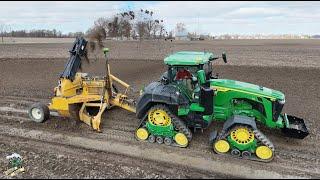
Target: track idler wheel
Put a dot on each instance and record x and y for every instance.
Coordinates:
(142, 134)
(264, 152)
(181, 139)
(221, 146)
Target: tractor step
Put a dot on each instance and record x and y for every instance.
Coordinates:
(297, 128)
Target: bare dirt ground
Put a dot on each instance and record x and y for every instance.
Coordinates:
(300, 53)
(61, 148)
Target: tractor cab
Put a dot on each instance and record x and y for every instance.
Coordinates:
(191, 71)
(193, 64)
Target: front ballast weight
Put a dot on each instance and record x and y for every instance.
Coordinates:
(163, 127)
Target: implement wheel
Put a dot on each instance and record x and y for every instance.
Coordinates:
(39, 112)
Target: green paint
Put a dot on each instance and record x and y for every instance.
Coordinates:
(196, 107)
(188, 58)
(243, 147)
(165, 131)
(231, 98)
(201, 76)
(247, 88)
(208, 118)
(183, 111)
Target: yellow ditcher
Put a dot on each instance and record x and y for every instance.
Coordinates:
(81, 97)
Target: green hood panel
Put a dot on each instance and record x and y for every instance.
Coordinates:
(188, 58)
(226, 84)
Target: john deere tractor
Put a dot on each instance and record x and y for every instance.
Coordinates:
(188, 97)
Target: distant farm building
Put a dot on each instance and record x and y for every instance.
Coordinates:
(182, 36)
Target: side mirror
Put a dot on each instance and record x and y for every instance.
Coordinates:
(224, 57)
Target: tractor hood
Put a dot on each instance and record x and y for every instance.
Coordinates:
(226, 84)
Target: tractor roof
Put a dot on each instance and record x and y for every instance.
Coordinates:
(188, 58)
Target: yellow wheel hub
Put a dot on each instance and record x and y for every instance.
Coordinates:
(242, 135)
(221, 146)
(264, 152)
(159, 117)
(142, 133)
(181, 139)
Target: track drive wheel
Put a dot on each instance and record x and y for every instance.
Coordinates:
(39, 112)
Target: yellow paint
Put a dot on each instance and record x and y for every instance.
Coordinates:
(264, 152)
(159, 117)
(142, 133)
(64, 113)
(221, 146)
(242, 136)
(86, 91)
(181, 139)
(59, 103)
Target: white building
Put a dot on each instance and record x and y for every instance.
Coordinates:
(182, 36)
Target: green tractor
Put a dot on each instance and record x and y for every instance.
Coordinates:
(188, 97)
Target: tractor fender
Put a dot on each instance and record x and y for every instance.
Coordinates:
(239, 119)
(158, 93)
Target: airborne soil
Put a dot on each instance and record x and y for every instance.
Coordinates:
(29, 72)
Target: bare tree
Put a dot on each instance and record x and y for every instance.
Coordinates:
(2, 31)
(180, 28)
(130, 24)
(141, 29)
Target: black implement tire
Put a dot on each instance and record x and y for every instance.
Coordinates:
(39, 112)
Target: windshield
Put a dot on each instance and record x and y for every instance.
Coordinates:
(192, 69)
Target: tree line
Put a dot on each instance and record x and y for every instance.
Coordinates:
(140, 24)
(39, 33)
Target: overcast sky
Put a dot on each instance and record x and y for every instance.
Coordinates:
(300, 17)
